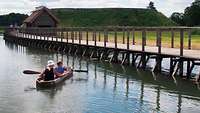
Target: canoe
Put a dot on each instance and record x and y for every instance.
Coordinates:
(53, 83)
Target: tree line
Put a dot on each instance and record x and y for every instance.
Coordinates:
(12, 19)
(190, 17)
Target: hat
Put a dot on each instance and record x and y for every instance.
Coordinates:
(50, 63)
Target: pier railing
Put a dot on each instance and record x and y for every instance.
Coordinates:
(169, 37)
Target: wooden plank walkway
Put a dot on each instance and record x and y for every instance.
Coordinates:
(175, 52)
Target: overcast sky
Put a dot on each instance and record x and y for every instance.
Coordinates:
(26, 6)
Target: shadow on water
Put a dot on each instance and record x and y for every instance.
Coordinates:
(115, 73)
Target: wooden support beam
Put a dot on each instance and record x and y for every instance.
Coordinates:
(143, 61)
(181, 67)
(143, 40)
(189, 39)
(172, 38)
(84, 52)
(72, 36)
(171, 66)
(128, 38)
(158, 66)
(181, 42)
(95, 38)
(115, 40)
(62, 35)
(92, 35)
(176, 66)
(133, 59)
(136, 57)
(75, 35)
(79, 36)
(123, 35)
(67, 36)
(99, 36)
(188, 69)
(133, 35)
(159, 35)
(87, 37)
(124, 59)
(105, 38)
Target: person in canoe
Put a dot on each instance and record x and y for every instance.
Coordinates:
(60, 70)
(49, 72)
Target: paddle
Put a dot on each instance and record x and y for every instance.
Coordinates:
(36, 72)
(30, 72)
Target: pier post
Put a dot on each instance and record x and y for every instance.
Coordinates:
(158, 66)
(133, 35)
(189, 39)
(62, 34)
(189, 47)
(123, 40)
(87, 37)
(67, 36)
(181, 52)
(143, 56)
(188, 69)
(95, 38)
(105, 38)
(115, 39)
(171, 66)
(99, 36)
(115, 53)
(123, 35)
(72, 36)
(172, 38)
(128, 53)
(79, 36)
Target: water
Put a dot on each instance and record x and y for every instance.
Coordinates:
(107, 88)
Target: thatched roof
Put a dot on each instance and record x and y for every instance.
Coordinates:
(37, 13)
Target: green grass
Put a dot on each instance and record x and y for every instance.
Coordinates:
(111, 17)
(150, 39)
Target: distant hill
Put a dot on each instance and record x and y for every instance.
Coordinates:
(111, 17)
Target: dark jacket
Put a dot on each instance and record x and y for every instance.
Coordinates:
(49, 74)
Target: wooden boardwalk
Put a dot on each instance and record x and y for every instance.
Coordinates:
(175, 52)
(80, 37)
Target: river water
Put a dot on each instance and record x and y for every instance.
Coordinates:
(107, 88)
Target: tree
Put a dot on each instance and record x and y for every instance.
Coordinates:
(151, 6)
(12, 19)
(178, 18)
(192, 14)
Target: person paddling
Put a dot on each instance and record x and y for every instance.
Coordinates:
(60, 70)
(48, 73)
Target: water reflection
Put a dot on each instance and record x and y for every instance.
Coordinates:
(106, 88)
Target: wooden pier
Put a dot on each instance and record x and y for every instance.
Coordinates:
(116, 44)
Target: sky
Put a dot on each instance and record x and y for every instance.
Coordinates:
(167, 7)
